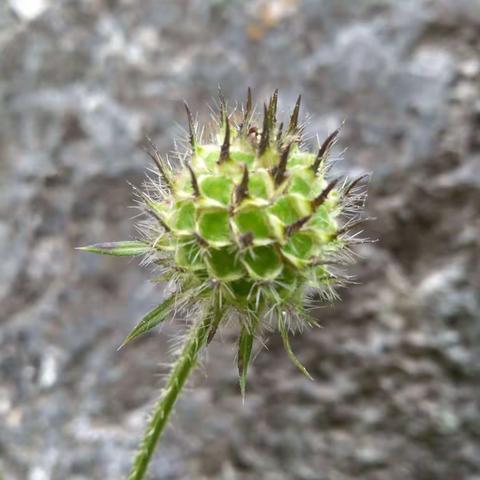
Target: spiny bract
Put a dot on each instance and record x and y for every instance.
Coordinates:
(248, 225)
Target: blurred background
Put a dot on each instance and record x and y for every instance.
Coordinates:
(397, 363)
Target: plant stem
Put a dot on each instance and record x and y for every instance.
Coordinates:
(162, 410)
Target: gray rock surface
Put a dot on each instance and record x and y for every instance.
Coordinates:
(397, 363)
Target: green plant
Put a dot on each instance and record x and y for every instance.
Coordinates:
(247, 228)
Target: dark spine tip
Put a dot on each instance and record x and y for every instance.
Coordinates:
(246, 240)
(191, 128)
(193, 178)
(241, 191)
(159, 219)
(249, 105)
(163, 224)
(274, 100)
(265, 137)
(201, 241)
(272, 109)
(355, 183)
(223, 107)
(148, 202)
(225, 148)
(155, 156)
(292, 127)
(211, 333)
(296, 226)
(247, 111)
(281, 168)
(213, 330)
(279, 135)
(156, 161)
(317, 201)
(325, 147)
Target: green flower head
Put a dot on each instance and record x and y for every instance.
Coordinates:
(248, 225)
(246, 228)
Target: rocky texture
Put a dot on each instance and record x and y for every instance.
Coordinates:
(396, 363)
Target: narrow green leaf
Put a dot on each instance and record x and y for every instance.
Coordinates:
(218, 314)
(151, 320)
(286, 343)
(245, 344)
(119, 249)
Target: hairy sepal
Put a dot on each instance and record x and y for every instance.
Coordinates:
(151, 319)
(245, 344)
(119, 249)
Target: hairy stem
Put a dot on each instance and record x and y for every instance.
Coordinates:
(178, 376)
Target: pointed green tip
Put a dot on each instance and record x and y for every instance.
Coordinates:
(150, 320)
(124, 344)
(243, 387)
(245, 343)
(127, 340)
(307, 374)
(140, 329)
(119, 249)
(89, 249)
